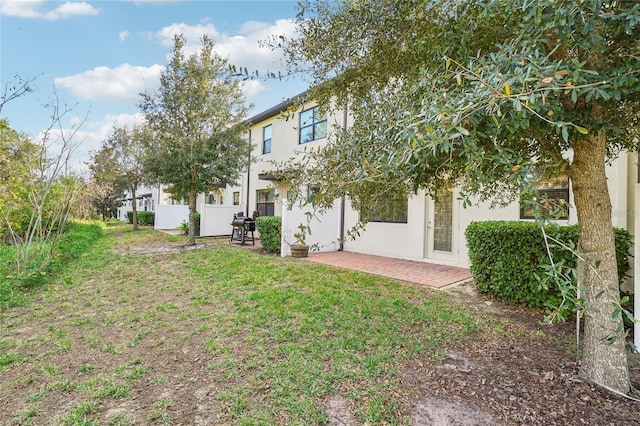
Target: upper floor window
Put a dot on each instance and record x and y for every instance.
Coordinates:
(552, 198)
(313, 126)
(236, 198)
(213, 199)
(266, 139)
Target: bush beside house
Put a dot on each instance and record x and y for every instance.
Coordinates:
(506, 256)
(269, 228)
(144, 218)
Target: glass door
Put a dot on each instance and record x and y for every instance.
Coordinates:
(441, 227)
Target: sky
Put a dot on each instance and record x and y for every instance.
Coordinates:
(98, 56)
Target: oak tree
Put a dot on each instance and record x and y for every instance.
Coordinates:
(198, 121)
(478, 95)
(106, 184)
(128, 145)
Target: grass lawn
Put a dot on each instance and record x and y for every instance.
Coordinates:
(139, 331)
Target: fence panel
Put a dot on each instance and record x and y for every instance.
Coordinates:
(325, 228)
(215, 220)
(170, 217)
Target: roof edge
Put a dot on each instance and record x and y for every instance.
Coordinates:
(276, 109)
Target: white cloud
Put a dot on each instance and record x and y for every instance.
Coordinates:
(252, 88)
(123, 35)
(93, 132)
(193, 34)
(35, 9)
(122, 84)
(242, 49)
(155, 2)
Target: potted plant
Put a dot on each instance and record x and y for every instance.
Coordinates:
(300, 248)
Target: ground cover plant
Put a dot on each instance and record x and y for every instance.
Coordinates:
(76, 238)
(141, 329)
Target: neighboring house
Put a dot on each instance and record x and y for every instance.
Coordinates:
(216, 208)
(146, 200)
(417, 228)
(277, 135)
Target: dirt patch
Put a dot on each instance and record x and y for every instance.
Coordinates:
(439, 411)
(339, 412)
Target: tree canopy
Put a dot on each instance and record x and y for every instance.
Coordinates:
(198, 120)
(17, 163)
(107, 184)
(128, 148)
(476, 95)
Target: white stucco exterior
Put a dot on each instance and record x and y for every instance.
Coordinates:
(412, 240)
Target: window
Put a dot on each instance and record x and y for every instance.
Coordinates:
(311, 193)
(177, 201)
(210, 199)
(443, 221)
(266, 139)
(394, 211)
(313, 126)
(236, 198)
(553, 195)
(265, 202)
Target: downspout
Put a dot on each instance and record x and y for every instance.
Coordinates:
(342, 199)
(248, 176)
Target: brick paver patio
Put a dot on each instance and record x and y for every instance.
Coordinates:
(429, 274)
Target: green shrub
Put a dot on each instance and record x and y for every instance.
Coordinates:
(76, 239)
(144, 218)
(269, 228)
(506, 257)
(184, 226)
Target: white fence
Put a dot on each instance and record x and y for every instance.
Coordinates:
(325, 228)
(170, 216)
(216, 220)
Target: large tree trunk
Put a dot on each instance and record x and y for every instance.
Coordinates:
(604, 360)
(134, 208)
(192, 218)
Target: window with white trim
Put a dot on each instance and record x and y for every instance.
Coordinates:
(266, 139)
(313, 125)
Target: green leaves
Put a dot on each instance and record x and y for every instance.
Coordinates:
(197, 113)
(509, 260)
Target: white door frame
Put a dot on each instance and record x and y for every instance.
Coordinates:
(429, 252)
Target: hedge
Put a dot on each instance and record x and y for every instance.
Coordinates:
(144, 217)
(270, 228)
(505, 257)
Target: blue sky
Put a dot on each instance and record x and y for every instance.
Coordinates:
(99, 55)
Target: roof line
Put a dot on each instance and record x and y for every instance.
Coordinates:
(276, 109)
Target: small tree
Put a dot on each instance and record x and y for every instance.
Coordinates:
(198, 120)
(106, 185)
(37, 189)
(128, 147)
